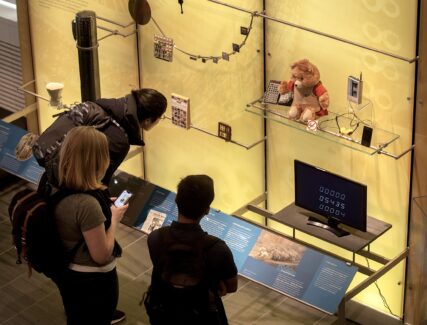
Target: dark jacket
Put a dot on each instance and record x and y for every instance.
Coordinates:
(123, 111)
(116, 118)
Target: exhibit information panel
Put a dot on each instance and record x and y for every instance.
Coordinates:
(260, 255)
(27, 167)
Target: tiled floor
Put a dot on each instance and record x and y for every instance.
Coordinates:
(36, 300)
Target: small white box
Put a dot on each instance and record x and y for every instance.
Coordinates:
(180, 111)
(354, 90)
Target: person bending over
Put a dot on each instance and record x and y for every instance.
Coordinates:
(120, 119)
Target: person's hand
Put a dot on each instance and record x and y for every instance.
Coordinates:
(283, 87)
(222, 289)
(117, 213)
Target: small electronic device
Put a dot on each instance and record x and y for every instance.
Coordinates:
(180, 111)
(286, 99)
(163, 48)
(354, 89)
(366, 136)
(244, 30)
(224, 131)
(272, 95)
(123, 198)
(225, 56)
(326, 195)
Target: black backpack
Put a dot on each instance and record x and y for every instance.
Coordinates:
(35, 235)
(46, 148)
(180, 294)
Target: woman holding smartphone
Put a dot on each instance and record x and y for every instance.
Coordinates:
(87, 222)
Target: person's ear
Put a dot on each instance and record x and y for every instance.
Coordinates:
(147, 124)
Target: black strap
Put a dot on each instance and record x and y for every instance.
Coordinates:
(62, 193)
(74, 250)
(44, 187)
(166, 238)
(205, 241)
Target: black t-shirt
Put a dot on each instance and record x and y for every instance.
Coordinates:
(220, 262)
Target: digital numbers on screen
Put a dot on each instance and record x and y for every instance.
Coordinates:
(331, 201)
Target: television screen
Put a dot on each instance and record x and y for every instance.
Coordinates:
(339, 199)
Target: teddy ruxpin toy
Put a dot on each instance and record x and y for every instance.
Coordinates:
(311, 98)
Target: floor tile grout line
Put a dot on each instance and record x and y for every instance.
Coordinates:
(238, 289)
(283, 298)
(7, 250)
(321, 318)
(13, 280)
(132, 277)
(136, 240)
(28, 307)
(136, 277)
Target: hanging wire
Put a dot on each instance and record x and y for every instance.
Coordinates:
(385, 303)
(205, 58)
(354, 122)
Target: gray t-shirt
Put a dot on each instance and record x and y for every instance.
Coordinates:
(74, 215)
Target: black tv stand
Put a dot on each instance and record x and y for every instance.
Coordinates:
(331, 226)
(298, 218)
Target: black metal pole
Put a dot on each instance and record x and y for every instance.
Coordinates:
(84, 31)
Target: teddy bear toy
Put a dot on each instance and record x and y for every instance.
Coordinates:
(310, 97)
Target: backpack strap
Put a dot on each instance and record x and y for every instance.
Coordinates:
(53, 201)
(205, 241)
(100, 197)
(166, 238)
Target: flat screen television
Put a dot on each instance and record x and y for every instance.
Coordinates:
(340, 200)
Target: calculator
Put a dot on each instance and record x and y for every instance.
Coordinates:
(271, 95)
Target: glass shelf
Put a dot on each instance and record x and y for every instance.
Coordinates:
(328, 127)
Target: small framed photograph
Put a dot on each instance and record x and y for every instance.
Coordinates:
(224, 131)
(354, 90)
(244, 30)
(163, 48)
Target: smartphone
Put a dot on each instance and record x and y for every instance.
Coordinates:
(123, 198)
(366, 136)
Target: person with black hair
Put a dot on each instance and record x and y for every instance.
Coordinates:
(120, 119)
(193, 199)
(142, 109)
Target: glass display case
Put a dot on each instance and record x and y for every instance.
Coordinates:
(347, 129)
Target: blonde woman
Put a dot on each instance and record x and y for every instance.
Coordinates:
(87, 223)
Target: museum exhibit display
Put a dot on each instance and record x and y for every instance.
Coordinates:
(307, 116)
